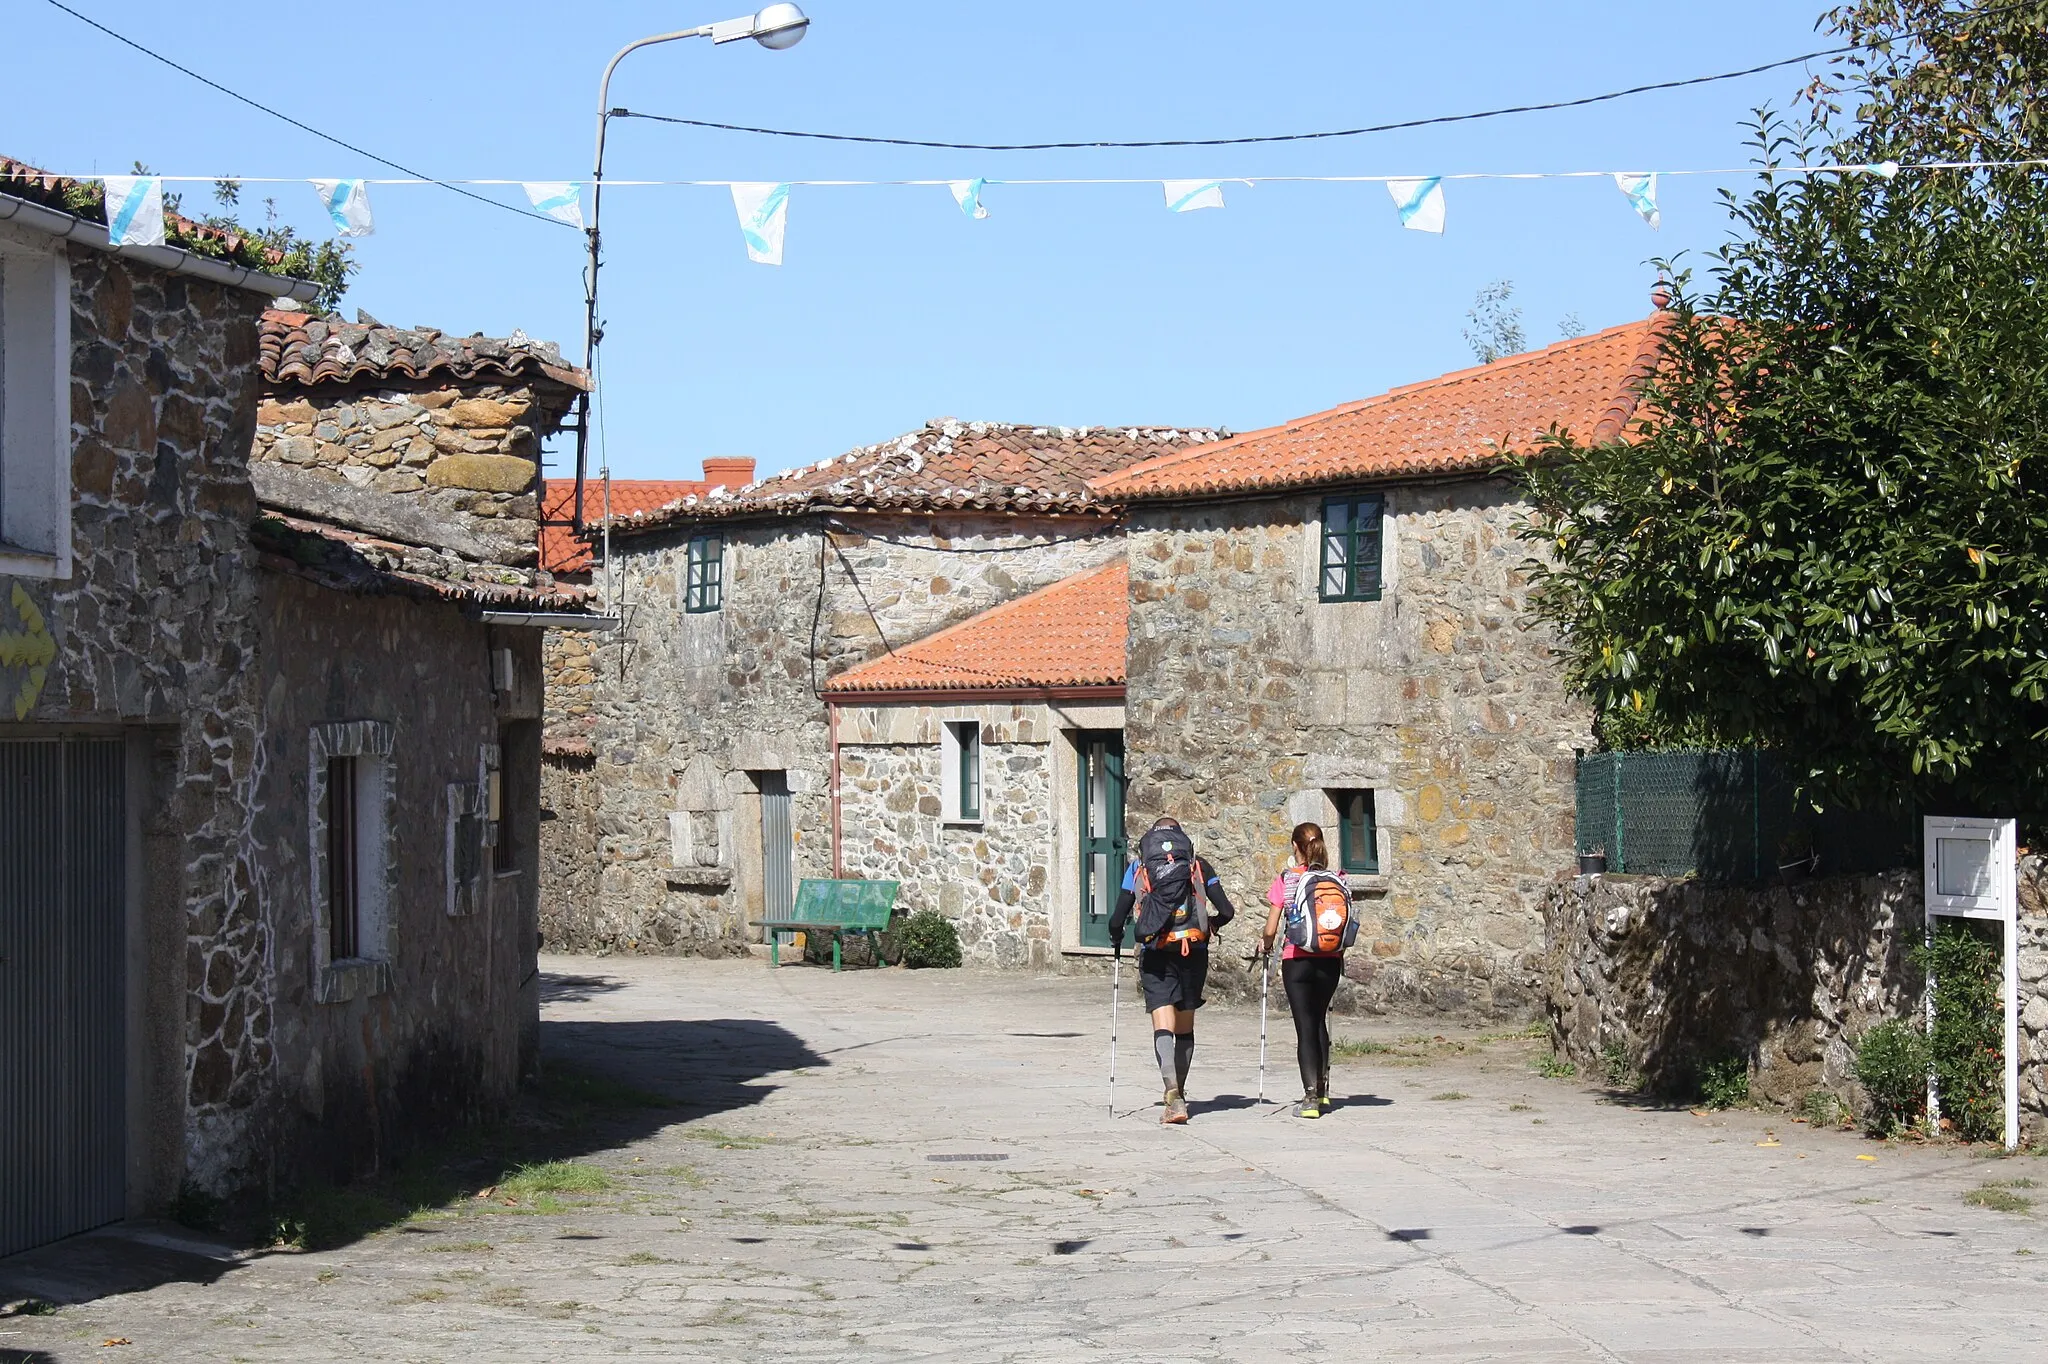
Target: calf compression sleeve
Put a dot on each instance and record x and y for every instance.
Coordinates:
(1183, 1057)
(1163, 1048)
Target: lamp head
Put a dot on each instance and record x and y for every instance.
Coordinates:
(780, 26)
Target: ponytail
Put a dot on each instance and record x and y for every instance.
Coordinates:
(1308, 842)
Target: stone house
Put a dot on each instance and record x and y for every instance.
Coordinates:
(269, 816)
(707, 792)
(979, 767)
(1328, 621)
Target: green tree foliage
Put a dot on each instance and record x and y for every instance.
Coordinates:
(1495, 325)
(1825, 538)
(1891, 1065)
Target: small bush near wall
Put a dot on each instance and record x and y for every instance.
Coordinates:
(929, 939)
(1725, 1083)
(1966, 1045)
(1891, 1065)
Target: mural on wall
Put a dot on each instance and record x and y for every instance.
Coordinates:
(30, 647)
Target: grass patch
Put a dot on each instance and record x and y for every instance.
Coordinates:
(1521, 1108)
(504, 1297)
(1999, 1197)
(462, 1248)
(425, 1295)
(1555, 1067)
(1350, 1048)
(646, 1257)
(555, 1176)
(727, 1141)
(565, 1088)
(1447, 1095)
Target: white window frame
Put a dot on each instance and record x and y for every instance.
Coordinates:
(952, 734)
(369, 971)
(35, 409)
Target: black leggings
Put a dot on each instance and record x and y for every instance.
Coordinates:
(1311, 984)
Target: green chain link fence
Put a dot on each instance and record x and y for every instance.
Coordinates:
(1728, 816)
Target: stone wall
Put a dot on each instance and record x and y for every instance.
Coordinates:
(450, 466)
(1249, 700)
(992, 878)
(701, 704)
(1669, 975)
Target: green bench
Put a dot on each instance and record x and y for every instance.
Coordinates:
(835, 906)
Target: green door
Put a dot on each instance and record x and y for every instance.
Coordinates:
(1101, 765)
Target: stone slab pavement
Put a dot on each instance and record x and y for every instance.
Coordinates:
(887, 1165)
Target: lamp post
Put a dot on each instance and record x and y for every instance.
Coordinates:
(776, 27)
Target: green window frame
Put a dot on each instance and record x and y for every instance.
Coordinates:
(1358, 838)
(704, 575)
(968, 741)
(1350, 563)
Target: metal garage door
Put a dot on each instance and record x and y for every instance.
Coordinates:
(63, 1058)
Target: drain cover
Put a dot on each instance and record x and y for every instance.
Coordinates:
(969, 1155)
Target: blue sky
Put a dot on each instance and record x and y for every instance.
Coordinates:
(1075, 305)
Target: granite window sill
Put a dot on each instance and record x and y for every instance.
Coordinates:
(698, 878)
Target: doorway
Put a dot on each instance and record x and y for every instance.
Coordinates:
(1102, 848)
(63, 988)
(778, 849)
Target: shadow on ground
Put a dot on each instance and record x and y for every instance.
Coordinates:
(603, 1085)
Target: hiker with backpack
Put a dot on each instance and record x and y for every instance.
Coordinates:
(1313, 905)
(1179, 905)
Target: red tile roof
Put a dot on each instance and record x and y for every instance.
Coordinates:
(86, 200)
(1456, 423)
(949, 465)
(1068, 635)
(561, 551)
(301, 350)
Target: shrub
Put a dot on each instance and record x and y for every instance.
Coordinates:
(929, 939)
(1725, 1083)
(1966, 1045)
(1820, 1108)
(1891, 1065)
(1618, 1069)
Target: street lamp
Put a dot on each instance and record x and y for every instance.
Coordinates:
(776, 27)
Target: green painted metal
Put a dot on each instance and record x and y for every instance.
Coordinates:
(835, 906)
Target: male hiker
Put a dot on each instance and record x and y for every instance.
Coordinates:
(1180, 904)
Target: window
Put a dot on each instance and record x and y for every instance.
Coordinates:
(1358, 839)
(509, 795)
(350, 795)
(465, 846)
(35, 410)
(1351, 548)
(960, 775)
(704, 577)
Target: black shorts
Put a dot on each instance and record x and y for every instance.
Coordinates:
(1170, 978)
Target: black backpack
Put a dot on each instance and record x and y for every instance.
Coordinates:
(1167, 883)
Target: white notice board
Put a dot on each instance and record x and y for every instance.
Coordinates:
(1972, 872)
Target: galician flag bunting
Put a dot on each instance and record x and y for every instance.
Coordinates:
(1185, 196)
(967, 194)
(561, 200)
(1421, 203)
(348, 203)
(763, 211)
(135, 209)
(1642, 194)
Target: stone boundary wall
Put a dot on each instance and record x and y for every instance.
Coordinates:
(1676, 974)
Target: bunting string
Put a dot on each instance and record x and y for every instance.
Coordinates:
(135, 210)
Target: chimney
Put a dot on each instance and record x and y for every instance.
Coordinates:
(730, 471)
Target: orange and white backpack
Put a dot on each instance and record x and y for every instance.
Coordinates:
(1318, 916)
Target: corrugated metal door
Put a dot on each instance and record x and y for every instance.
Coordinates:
(63, 1053)
(778, 848)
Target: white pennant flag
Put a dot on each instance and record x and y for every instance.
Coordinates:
(1421, 203)
(135, 209)
(967, 194)
(763, 210)
(348, 203)
(1185, 196)
(1642, 194)
(561, 200)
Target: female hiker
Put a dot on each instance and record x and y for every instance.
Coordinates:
(1314, 905)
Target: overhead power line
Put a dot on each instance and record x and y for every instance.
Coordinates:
(1400, 126)
(303, 127)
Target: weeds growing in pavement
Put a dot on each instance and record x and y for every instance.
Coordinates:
(1555, 1067)
(1349, 1048)
(1999, 1196)
(1725, 1083)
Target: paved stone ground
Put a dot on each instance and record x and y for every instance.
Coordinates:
(891, 1166)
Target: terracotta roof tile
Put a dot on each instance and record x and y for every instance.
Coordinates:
(355, 561)
(1070, 634)
(561, 551)
(949, 465)
(62, 193)
(301, 350)
(1456, 423)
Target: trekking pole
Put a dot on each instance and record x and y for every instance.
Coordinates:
(1116, 985)
(1265, 987)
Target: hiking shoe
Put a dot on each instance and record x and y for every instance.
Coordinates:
(1176, 1108)
(1308, 1108)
